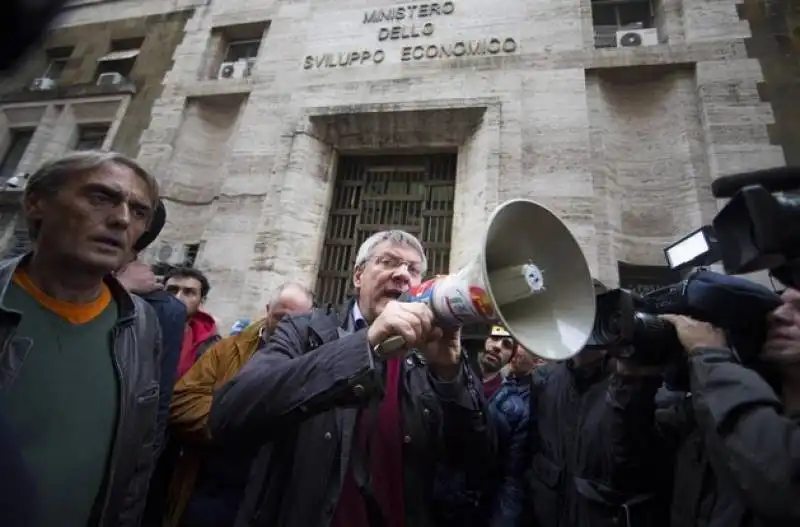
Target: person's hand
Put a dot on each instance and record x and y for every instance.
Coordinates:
(694, 334)
(138, 278)
(411, 321)
(443, 355)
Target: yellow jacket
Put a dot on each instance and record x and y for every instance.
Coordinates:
(190, 407)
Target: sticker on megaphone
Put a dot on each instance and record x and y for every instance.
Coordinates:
(456, 299)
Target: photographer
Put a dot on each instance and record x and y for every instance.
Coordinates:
(584, 470)
(751, 435)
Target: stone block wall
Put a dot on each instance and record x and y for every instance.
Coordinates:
(161, 34)
(775, 43)
(621, 143)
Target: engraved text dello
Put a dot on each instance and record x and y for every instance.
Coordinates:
(411, 21)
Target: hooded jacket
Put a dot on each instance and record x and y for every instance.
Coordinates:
(200, 334)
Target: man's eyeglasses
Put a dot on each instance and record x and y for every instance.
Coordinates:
(390, 263)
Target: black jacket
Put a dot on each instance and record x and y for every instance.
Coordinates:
(583, 474)
(171, 314)
(302, 393)
(137, 348)
(738, 457)
(17, 487)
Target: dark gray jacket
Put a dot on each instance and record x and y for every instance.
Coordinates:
(738, 457)
(137, 348)
(299, 398)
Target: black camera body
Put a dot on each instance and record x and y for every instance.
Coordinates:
(630, 325)
(755, 230)
(759, 228)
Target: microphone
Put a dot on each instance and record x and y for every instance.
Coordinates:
(778, 179)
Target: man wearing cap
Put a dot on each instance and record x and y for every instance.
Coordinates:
(509, 412)
(498, 349)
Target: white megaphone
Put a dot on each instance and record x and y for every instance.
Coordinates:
(530, 276)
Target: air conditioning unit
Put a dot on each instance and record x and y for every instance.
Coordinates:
(110, 79)
(170, 253)
(43, 84)
(234, 70)
(634, 38)
(17, 181)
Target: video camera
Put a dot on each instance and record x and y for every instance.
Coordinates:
(756, 230)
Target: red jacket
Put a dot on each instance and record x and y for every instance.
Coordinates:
(199, 335)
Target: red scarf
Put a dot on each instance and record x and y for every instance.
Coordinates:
(385, 462)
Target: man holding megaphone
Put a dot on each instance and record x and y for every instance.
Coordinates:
(366, 418)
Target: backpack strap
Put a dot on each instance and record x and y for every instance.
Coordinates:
(206, 345)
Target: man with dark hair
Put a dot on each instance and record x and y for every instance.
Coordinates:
(138, 278)
(499, 348)
(191, 287)
(79, 385)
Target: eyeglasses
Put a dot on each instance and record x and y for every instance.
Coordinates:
(391, 263)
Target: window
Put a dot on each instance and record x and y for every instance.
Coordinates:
(91, 137)
(609, 16)
(121, 58)
(16, 149)
(191, 254)
(243, 50)
(375, 193)
(57, 61)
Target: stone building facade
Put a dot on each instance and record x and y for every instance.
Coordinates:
(59, 98)
(775, 42)
(287, 131)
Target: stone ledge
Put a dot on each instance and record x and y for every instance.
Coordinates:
(410, 106)
(75, 91)
(207, 88)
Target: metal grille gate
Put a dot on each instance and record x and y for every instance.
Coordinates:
(411, 193)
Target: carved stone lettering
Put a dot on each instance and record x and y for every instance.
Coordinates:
(491, 46)
(415, 26)
(403, 32)
(341, 60)
(408, 12)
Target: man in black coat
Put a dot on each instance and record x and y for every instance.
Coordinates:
(352, 435)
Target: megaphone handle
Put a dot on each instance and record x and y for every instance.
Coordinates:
(390, 345)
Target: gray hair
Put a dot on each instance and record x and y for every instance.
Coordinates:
(395, 237)
(290, 285)
(51, 177)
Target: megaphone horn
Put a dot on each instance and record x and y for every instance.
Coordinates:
(530, 275)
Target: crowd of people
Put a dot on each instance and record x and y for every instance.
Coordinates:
(121, 405)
